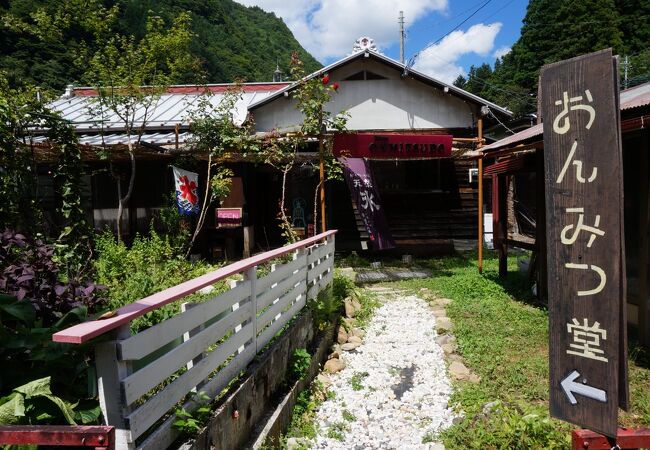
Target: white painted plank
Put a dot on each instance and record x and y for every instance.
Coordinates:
(320, 285)
(320, 269)
(281, 272)
(266, 335)
(283, 304)
(147, 378)
(154, 408)
(166, 434)
(269, 295)
(149, 340)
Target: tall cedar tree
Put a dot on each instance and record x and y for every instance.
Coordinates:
(553, 30)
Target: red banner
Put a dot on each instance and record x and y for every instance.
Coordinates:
(391, 146)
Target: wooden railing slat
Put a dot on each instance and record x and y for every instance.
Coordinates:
(282, 272)
(269, 295)
(270, 331)
(151, 339)
(145, 379)
(157, 406)
(83, 332)
(285, 300)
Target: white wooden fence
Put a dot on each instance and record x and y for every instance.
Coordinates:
(205, 346)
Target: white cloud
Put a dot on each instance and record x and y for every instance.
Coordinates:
(441, 60)
(501, 51)
(328, 28)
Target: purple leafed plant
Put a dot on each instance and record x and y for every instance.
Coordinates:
(29, 270)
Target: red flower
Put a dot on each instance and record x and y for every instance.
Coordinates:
(335, 86)
(326, 79)
(187, 190)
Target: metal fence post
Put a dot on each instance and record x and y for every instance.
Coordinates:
(110, 373)
(251, 276)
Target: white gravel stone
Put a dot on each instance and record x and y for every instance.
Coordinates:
(402, 389)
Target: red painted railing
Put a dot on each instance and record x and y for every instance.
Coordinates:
(626, 439)
(100, 437)
(143, 377)
(83, 332)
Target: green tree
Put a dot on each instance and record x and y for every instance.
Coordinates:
(554, 30)
(215, 133)
(130, 75)
(39, 40)
(19, 110)
(312, 96)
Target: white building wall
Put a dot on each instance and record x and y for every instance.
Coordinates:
(395, 103)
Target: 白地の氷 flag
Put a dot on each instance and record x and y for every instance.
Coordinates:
(187, 197)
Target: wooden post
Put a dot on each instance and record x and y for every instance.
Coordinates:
(110, 373)
(540, 228)
(321, 156)
(500, 220)
(251, 275)
(480, 196)
(644, 247)
(186, 337)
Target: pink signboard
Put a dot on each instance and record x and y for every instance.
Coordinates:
(229, 217)
(392, 146)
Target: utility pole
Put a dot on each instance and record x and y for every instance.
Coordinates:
(401, 37)
(626, 63)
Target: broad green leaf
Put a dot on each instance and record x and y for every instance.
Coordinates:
(88, 415)
(19, 309)
(12, 411)
(66, 408)
(36, 388)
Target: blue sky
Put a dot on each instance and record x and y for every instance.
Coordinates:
(328, 28)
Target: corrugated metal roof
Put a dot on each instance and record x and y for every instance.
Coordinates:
(517, 138)
(635, 97)
(167, 111)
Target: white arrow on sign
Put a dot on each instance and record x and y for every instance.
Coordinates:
(570, 387)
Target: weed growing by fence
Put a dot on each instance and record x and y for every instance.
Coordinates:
(150, 265)
(298, 365)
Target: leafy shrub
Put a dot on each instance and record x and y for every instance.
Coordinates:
(150, 265)
(34, 403)
(27, 351)
(29, 270)
(508, 427)
(298, 365)
(191, 423)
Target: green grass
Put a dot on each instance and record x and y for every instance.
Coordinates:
(502, 335)
(356, 381)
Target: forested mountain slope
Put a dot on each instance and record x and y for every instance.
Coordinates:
(230, 40)
(559, 29)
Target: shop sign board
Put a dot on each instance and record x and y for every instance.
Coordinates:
(229, 217)
(392, 146)
(585, 241)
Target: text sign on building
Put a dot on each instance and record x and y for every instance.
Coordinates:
(583, 183)
(392, 146)
(228, 217)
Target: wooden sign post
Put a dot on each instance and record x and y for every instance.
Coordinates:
(585, 241)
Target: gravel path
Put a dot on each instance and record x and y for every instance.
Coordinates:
(393, 394)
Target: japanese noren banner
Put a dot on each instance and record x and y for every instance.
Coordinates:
(366, 196)
(187, 184)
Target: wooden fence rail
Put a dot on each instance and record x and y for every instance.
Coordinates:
(144, 377)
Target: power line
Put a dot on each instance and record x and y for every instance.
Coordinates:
(412, 60)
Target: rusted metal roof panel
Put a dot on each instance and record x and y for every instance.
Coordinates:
(635, 97)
